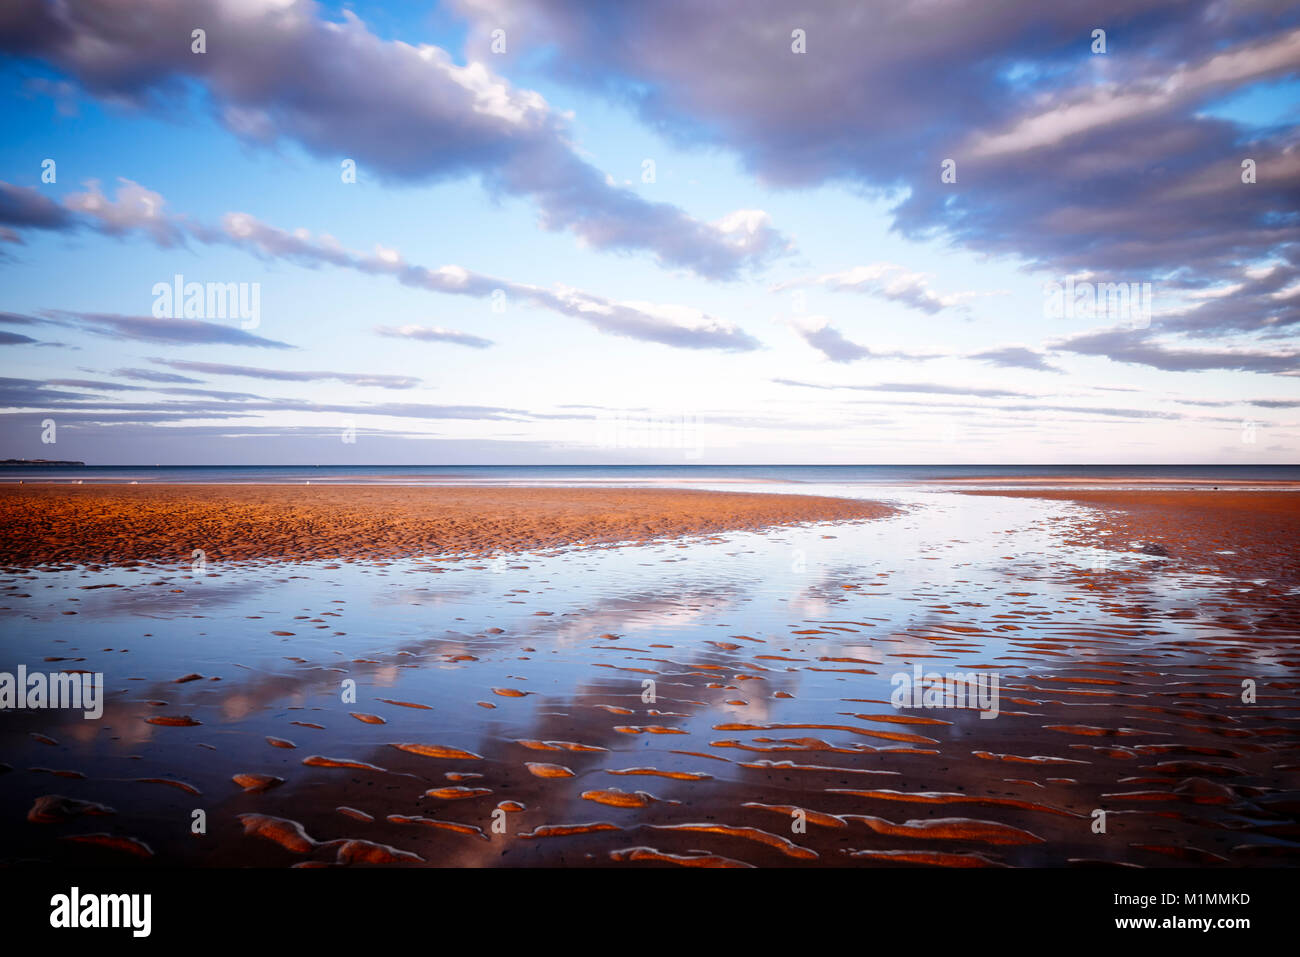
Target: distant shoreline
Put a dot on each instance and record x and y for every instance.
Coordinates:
(41, 463)
(823, 479)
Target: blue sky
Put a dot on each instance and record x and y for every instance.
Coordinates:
(796, 284)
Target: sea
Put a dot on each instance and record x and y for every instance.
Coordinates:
(633, 475)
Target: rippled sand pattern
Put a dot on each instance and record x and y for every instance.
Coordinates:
(114, 524)
(722, 704)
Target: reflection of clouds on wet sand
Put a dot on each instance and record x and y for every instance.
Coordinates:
(423, 596)
(643, 615)
(163, 597)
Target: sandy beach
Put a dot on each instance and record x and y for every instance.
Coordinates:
(165, 523)
(723, 699)
(1132, 482)
(1251, 534)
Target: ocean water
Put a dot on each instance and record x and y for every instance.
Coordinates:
(642, 474)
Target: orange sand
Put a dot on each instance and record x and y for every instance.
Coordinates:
(1163, 511)
(1194, 525)
(1094, 482)
(1228, 503)
(99, 524)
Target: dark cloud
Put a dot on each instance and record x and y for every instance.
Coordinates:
(997, 413)
(70, 415)
(1063, 158)
(1139, 347)
(153, 375)
(402, 112)
(931, 388)
(29, 208)
(677, 326)
(1094, 410)
(670, 325)
(180, 332)
(1229, 403)
(18, 339)
(32, 393)
(90, 407)
(212, 394)
(17, 319)
(97, 385)
(666, 324)
(132, 209)
(1015, 357)
(892, 283)
(435, 334)
(1244, 322)
(376, 380)
(1262, 298)
(830, 342)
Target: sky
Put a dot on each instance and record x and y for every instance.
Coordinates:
(550, 232)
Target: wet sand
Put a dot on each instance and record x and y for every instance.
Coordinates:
(1172, 503)
(517, 731)
(165, 523)
(1090, 481)
(1251, 534)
